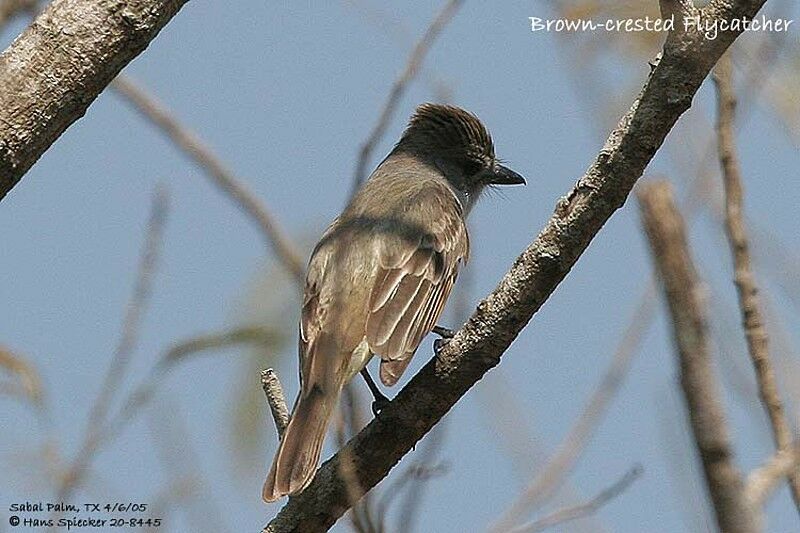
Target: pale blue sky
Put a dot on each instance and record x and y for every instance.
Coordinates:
(285, 93)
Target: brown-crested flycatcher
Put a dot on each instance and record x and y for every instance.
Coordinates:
(379, 278)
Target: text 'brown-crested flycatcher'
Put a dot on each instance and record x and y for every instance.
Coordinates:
(379, 278)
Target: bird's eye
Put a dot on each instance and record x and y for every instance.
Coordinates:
(472, 167)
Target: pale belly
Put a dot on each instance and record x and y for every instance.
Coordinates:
(360, 358)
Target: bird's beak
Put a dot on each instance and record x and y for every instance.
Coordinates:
(505, 176)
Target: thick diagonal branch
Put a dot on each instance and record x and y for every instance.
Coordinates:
(666, 233)
(478, 346)
(744, 279)
(53, 71)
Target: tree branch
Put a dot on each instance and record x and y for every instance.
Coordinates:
(764, 479)
(58, 66)
(478, 346)
(744, 279)
(667, 236)
(553, 474)
(398, 88)
(275, 399)
(131, 325)
(193, 146)
(584, 509)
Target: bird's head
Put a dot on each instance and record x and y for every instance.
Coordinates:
(456, 143)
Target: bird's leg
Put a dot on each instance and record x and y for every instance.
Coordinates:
(446, 334)
(381, 400)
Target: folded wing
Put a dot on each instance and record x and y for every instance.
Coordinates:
(416, 272)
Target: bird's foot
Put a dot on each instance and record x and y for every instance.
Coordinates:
(439, 344)
(381, 400)
(446, 334)
(379, 404)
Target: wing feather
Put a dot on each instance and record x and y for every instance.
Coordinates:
(414, 279)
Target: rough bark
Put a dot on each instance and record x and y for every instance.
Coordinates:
(477, 347)
(58, 66)
(684, 293)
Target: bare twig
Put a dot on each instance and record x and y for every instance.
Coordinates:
(479, 345)
(136, 308)
(180, 463)
(397, 30)
(147, 388)
(667, 237)
(414, 480)
(253, 335)
(276, 400)
(398, 88)
(28, 384)
(749, 304)
(350, 421)
(585, 509)
(764, 479)
(127, 342)
(552, 476)
(221, 175)
(144, 392)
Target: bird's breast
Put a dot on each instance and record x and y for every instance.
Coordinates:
(359, 359)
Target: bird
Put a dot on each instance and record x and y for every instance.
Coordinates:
(379, 278)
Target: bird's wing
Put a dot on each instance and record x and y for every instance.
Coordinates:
(415, 273)
(314, 315)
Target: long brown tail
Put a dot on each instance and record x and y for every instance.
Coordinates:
(298, 454)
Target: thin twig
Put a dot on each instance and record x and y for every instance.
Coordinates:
(667, 238)
(762, 481)
(413, 64)
(128, 339)
(746, 287)
(172, 444)
(135, 311)
(191, 144)
(144, 392)
(418, 474)
(585, 509)
(28, 384)
(276, 400)
(349, 422)
(552, 476)
(254, 335)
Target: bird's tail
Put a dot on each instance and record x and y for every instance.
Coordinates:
(298, 454)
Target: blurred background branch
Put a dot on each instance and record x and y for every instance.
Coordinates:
(410, 71)
(561, 516)
(666, 234)
(750, 306)
(191, 144)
